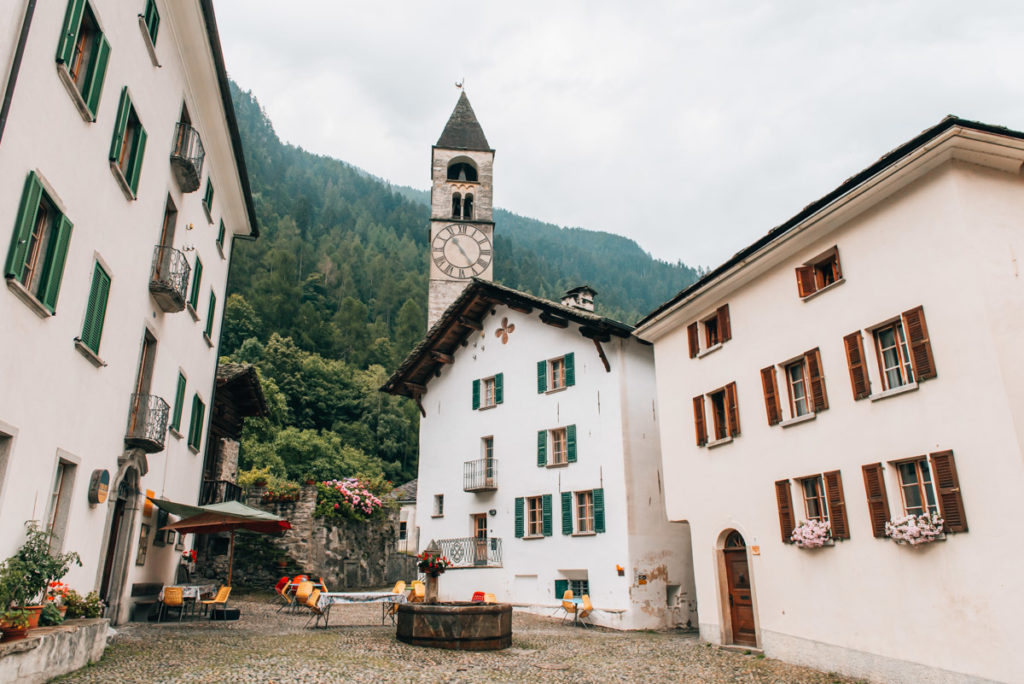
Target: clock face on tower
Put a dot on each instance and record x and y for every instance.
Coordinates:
(461, 251)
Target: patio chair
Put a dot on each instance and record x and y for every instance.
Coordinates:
(567, 605)
(418, 593)
(323, 585)
(173, 598)
(281, 590)
(390, 610)
(586, 609)
(221, 599)
(490, 598)
(302, 592)
(478, 597)
(312, 602)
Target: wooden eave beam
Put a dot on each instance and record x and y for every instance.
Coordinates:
(415, 387)
(596, 335)
(441, 357)
(604, 359)
(470, 323)
(555, 321)
(521, 308)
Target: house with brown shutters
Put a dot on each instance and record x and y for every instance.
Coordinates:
(847, 402)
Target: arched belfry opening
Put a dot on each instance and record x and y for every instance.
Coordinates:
(456, 205)
(467, 207)
(462, 171)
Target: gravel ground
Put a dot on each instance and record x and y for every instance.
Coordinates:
(266, 646)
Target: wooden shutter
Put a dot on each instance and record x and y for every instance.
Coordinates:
(26, 221)
(519, 517)
(731, 409)
(124, 108)
(209, 316)
(542, 448)
(570, 439)
(499, 388)
(878, 502)
(542, 377)
(53, 267)
(816, 380)
(97, 71)
(570, 369)
(698, 420)
(836, 504)
(561, 586)
(197, 278)
(598, 510)
(771, 395)
(694, 339)
(947, 485)
(96, 309)
(724, 326)
(476, 394)
(785, 500)
(805, 280)
(179, 402)
(920, 345)
(69, 33)
(566, 512)
(137, 154)
(545, 508)
(152, 20)
(859, 381)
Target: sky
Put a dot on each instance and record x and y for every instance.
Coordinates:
(691, 127)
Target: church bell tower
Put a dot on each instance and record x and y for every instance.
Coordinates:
(461, 210)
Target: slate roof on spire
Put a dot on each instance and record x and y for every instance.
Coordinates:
(463, 132)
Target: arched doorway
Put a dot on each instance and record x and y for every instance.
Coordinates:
(119, 543)
(737, 591)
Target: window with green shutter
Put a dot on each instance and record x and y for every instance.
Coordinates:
(179, 404)
(96, 309)
(83, 53)
(208, 200)
(489, 392)
(566, 512)
(152, 18)
(197, 279)
(128, 144)
(39, 245)
(220, 237)
(209, 314)
(561, 586)
(195, 426)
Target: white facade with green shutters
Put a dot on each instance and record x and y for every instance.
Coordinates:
(88, 190)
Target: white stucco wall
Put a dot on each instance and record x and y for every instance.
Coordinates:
(868, 607)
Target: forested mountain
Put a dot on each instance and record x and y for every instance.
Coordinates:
(333, 295)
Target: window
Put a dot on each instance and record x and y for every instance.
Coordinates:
(916, 487)
(797, 392)
(60, 503)
(467, 207)
(814, 498)
(83, 52)
(456, 205)
(903, 350)
(805, 386)
(927, 485)
(179, 404)
(127, 146)
(402, 530)
(818, 273)
(893, 356)
(579, 587)
(555, 374)
(197, 278)
(208, 200)
(152, 20)
(535, 510)
(724, 413)
(823, 501)
(584, 512)
(208, 333)
(195, 426)
(95, 309)
(561, 442)
(462, 171)
(717, 330)
(438, 505)
(711, 332)
(220, 238)
(533, 516)
(39, 245)
(489, 392)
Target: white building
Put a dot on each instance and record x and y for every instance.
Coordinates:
(122, 186)
(408, 530)
(860, 362)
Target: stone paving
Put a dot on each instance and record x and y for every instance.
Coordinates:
(266, 646)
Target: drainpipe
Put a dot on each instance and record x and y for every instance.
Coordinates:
(12, 79)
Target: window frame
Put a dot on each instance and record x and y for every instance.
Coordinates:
(534, 528)
(558, 450)
(799, 364)
(83, 74)
(583, 502)
(712, 335)
(438, 511)
(820, 273)
(923, 487)
(901, 346)
(818, 497)
(403, 530)
(556, 374)
(127, 146)
(719, 418)
(487, 393)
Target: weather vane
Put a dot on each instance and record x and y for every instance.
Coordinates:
(458, 84)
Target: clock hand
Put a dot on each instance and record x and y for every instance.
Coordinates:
(455, 240)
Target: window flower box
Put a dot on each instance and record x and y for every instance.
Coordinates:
(812, 534)
(915, 530)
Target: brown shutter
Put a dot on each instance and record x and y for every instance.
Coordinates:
(817, 381)
(724, 327)
(878, 503)
(805, 280)
(859, 381)
(731, 409)
(836, 504)
(691, 333)
(947, 484)
(771, 395)
(698, 420)
(784, 497)
(920, 346)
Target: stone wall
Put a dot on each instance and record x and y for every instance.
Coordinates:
(48, 652)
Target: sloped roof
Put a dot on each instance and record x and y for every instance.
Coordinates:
(240, 384)
(406, 492)
(463, 132)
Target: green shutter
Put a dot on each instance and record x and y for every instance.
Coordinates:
(93, 86)
(570, 438)
(546, 512)
(152, 20)
(96, 309)
(499, 388)
(220, 235)
(599, 510)
(476, 394)
(179, 403)
(542, 448)
(209, 315)
(208, 196)
(561, 586)
(566, 512)
(570, 369)
(136, 161)
(69, 33)
(197, 278)
(519, 517)
(195, 428)
(192, 420)
(53, 268)
(124, 108)
(27, 213)
(542, 377)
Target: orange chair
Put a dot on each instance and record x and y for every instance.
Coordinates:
(568, 606)
(323, 585)
(221, 599)
(586, 609)
(418, 593)
(173, 598)
(312, 602)
(478, 597)
(490, 598)
(281, 590)
(302, 592)
(390, 610)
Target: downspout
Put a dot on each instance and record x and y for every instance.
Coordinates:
(12, 78)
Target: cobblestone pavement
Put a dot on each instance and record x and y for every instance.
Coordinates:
(266, 646)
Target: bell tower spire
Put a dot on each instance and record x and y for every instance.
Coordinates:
(461, 209)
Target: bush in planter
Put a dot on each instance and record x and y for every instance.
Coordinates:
(89, 606)
(39, 565)
(16, 618)
(50, 615)
(915, 529)
(353, 498)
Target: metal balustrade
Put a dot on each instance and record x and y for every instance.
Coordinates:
(219, 491)
(187, 155)
(147, 423)
(471, 552)
(480, 475)
(169, 278)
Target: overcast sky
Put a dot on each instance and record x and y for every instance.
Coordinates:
(692, 127)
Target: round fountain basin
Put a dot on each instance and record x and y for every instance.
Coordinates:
(456, 626)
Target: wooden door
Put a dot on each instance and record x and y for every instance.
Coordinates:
(108, 561)
(741, 604)
(480, 533)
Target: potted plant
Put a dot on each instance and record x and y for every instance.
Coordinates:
(40, 567)
(915, 530)
(13, 619)
(56, 595)
(812, 534)
(432, 564)
(14, 624)
(88, 606)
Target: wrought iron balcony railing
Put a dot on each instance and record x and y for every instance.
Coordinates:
(147, 423)
(169, 279)
(219, 491)
(187, 157)
(471, 552)
(480, 475)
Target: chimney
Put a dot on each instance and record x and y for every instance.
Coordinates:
(581, 298)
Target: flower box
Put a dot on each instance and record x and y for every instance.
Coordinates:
(812, 534)
(914, 530)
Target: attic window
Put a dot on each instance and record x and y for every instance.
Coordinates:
(819, 273)
(461, 171)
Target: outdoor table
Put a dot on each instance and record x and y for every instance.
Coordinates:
(191, 592)
(292, 586)
(330, 598)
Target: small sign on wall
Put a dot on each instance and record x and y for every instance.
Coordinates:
(147, 508)
(755, 550)
(641, 579)
(99, 486)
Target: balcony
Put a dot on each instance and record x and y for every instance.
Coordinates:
(187, 157)
(480, 475)
(147, 423)
(470, 552)
(169, 279)
(219, 491)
